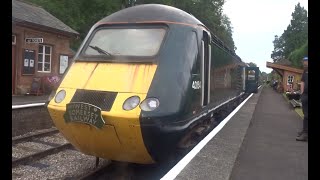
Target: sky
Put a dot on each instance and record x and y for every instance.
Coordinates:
(255, 23)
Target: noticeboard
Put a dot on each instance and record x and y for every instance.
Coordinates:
(28, 62)
(64, 62)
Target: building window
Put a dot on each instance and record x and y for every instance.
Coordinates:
(290, 80)
(14, 39)
(44, 58)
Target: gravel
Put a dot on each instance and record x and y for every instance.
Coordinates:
(65, 164)
(27, 148)
(34, 132)
(56, 138)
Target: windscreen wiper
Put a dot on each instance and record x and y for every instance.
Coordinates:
(101, 51)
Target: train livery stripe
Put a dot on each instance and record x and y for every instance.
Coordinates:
(186, 159)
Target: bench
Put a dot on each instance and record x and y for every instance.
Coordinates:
(295, 103)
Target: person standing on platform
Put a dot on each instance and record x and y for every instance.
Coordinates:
(303, 135)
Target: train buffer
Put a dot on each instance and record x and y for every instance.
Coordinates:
(258, 142)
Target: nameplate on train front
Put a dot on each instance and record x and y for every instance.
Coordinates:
(84, 113)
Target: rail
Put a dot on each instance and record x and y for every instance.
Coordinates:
(20, 139)
(39, 155)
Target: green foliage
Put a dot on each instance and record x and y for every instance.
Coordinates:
(296, 56)
(251, 64)
(221, 57)
(293, 37)
(80, 15)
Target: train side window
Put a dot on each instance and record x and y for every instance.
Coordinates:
(196, 58)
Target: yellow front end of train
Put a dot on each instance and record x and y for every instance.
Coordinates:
(119, 136)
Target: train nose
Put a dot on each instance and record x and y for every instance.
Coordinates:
(100, 111)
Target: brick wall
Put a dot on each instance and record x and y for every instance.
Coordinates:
(60, 46)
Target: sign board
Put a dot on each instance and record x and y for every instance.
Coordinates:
(84, 113)
(28, 62)
(64, 62)
(34, 40)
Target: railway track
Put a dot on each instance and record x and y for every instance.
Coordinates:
(40, 153)
(25, 138)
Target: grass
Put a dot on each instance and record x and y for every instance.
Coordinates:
(285, 96)
(298, 110)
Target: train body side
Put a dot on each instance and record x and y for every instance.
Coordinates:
(175, 84)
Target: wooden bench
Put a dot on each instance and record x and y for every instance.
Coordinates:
(295, 103)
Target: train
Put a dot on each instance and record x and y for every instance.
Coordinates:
(144, 81)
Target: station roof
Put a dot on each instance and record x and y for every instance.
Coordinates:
(31, 14)
(282, 66)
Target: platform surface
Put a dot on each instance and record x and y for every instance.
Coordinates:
(258, 143)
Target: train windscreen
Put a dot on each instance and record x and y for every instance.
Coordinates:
(125, 42)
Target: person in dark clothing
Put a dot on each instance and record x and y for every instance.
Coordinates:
(303, 135)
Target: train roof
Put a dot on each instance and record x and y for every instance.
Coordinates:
(151, 12)
(159, 12)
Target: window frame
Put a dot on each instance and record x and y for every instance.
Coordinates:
(103, 58)
(292, 79)
(43, 58)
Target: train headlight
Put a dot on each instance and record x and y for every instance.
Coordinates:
(60, 96)
(131, 103)
(149, 104)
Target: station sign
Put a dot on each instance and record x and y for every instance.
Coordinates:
(34, 40)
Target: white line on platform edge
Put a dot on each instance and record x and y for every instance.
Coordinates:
(27, 105)
(186, 159)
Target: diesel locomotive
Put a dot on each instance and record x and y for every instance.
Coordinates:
(144, 79)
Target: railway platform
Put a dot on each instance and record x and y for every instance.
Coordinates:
(258, 142)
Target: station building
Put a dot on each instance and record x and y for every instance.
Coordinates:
(290, 76)
(40, 47)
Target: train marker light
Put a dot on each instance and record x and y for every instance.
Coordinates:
(131, 103)
(150, 104)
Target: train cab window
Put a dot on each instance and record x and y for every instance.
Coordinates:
(126, 42)
(251, 75)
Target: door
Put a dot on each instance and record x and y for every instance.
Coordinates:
(205, 68)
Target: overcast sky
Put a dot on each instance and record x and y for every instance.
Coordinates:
(255, 23)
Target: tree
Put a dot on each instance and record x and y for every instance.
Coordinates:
(251, 64)
(277, 53)
(82, 14)
(296, 56)
(294, 37)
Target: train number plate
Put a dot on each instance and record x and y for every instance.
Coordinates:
(84, 113)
